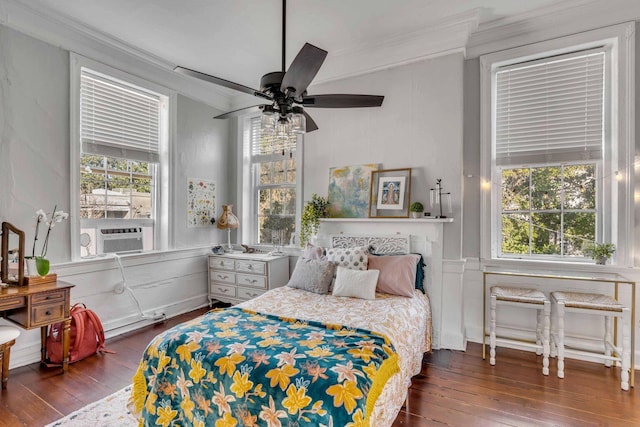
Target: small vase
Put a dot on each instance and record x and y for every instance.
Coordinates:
(32, 269)
(601, 260)
(416, 214)
(42, 265)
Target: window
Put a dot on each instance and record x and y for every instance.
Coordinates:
(554, 148)
(122, 127)
(273, 174)
(548, 210)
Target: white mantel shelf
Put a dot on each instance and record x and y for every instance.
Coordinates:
(407, 220)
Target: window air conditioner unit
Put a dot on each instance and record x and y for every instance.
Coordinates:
(119, 240)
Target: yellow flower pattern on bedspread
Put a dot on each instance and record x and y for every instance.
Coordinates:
(236, 367)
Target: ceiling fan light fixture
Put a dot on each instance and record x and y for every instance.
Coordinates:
(268, 121)
(298, 123)
(283, 128)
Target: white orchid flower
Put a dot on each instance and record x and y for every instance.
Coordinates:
(41, 215)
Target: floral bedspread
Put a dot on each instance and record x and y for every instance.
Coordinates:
(237, 367)
(405, 321)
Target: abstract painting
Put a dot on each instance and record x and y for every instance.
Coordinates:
(201, 202)
(349, 191)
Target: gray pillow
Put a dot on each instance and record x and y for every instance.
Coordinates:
(312, 275)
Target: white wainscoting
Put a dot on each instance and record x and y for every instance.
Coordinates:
(168, 282)
(443, 281)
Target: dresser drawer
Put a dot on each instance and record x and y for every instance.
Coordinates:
(252, 280)
(223, 290)
(222, 263)
(223, 276)
(55, 296)
(253, 267)
(245, 294)
(11, 302)
(44, 314)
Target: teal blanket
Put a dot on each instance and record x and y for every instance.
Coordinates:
(238, 368)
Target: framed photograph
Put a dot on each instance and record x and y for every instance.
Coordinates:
(389, 195)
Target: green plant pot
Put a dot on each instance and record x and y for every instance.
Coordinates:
(42, 264)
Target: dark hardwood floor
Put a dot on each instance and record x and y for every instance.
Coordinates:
(454, 388)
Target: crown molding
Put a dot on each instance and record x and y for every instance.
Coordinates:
(442, 38)
(556, 20)
(70, 35)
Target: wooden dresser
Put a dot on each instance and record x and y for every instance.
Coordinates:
(234, 278)
(38, 306)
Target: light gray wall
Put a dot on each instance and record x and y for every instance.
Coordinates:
(35, 141)
(419, 125)
(202, 151)
(471, 159)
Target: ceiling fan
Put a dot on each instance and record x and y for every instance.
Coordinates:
(286, 91)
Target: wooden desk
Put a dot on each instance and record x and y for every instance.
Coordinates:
(38, 306)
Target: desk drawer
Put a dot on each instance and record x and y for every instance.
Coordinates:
(222, 263)
(11, 303)
(223, 290)
(55, 296)
(253, 267)
(253, 281)
(45, 314)
(223, 276)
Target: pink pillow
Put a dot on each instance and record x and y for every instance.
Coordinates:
(313, 252)
(397, 273)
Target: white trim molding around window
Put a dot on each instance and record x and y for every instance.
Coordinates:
(557, 155)
(119, 160)
(271, 186)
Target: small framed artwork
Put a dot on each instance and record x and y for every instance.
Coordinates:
(389, 195)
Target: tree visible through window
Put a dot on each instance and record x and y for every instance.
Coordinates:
(548, 210)
(115, 188)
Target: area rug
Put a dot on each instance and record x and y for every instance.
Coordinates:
(108, 412)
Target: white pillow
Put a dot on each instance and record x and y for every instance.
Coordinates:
(356, 283)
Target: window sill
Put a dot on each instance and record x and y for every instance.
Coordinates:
(558, 267)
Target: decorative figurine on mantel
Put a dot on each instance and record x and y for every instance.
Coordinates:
(436, 198)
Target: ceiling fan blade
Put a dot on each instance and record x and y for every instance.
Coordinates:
(310, 124)
(342, 101)
(242, 111)
(219, 81)
(303, 69)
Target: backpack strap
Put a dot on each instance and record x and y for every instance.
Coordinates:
(78, 320)
(97, 326)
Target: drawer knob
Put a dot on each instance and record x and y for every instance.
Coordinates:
(48, 313)
(223, 290)
(250, 267)
(251, 280)
(252, 295)
(223, 277)
(49, 297)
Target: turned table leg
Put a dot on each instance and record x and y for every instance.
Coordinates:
(66, 338)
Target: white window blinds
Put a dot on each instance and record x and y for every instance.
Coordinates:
(118, 119)
(551, 109)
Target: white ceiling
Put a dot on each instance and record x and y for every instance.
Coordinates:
(240, 40)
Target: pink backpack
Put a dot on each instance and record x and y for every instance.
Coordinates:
(87, 336)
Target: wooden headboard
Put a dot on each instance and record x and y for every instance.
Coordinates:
(381, 244)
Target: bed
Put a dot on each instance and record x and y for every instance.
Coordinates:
(401, 326)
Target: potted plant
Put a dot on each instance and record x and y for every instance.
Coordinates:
(313, 210)
(416, 209)
(600, 252)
